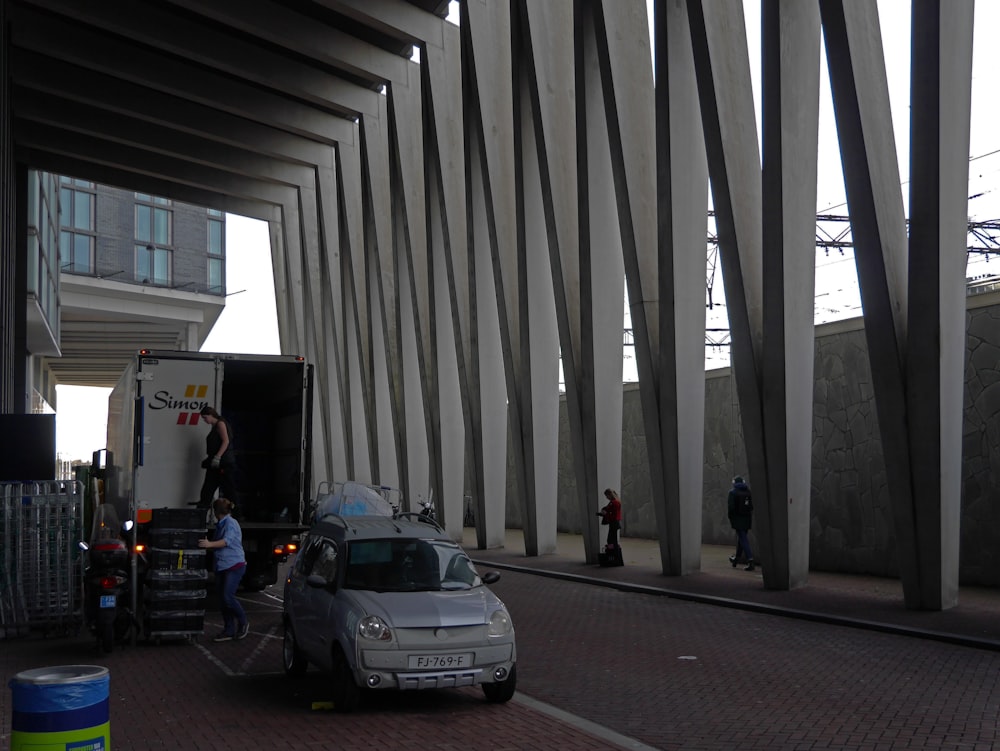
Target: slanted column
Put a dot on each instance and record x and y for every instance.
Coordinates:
(790, 108)
(871, 178)
(486, 29)
(940, 103)
(718, 39)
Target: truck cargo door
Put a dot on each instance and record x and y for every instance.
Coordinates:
(173, 392)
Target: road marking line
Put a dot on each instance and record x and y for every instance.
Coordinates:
(260, 648)
(213, 659)
(598, 731)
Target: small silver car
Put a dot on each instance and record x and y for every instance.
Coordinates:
(391, 602)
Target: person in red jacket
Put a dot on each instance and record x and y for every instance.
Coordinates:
(611, 515)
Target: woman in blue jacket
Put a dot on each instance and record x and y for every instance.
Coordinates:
(230, 565)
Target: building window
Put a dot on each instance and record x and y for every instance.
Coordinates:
(216, 254)
(153, 264)
(77, 237)
(153, 242)
(146, 198)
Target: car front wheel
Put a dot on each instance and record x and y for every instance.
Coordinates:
(503, 690)
(294, 661)
(346, 693)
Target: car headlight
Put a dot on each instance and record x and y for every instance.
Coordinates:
(500, 623)
(374, 628)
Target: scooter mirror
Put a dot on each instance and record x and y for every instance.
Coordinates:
(83, 546)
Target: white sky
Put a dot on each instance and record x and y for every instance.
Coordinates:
(249, 324)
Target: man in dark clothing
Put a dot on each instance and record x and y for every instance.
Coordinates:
(740, 505)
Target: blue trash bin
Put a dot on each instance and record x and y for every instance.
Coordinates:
(62, 708)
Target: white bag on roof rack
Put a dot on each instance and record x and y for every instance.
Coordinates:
(353, 499)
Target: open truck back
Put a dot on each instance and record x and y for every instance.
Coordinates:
(156, 442)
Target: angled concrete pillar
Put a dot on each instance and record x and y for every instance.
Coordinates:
(940, 102)
(446, 223)
(551, 262)
(486, 30)
(325, 328)
(356, 356)
(596, 393)
(381, 294)
(790, 116)
(718, 39)
(682, 202)
(630, 115)
(871, 177)
(413, 284)
(284, 303)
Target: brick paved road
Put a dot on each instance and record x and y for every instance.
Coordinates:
(667, 673)
(682, 675)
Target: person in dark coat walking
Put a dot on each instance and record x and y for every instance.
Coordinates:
(740, 505)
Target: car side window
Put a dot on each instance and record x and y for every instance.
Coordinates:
(326, 560)
(307, 556)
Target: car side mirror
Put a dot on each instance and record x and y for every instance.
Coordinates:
(491, 577)
(317, 582)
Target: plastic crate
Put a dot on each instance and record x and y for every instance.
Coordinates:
(178, 518)
(172, 580)
(165, 622)
(176, 559)
(155, 598)
(172, 538)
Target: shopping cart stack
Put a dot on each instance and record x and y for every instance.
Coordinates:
(177, 577)
(40, 562)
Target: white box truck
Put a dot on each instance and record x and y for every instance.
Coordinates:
(156, 443)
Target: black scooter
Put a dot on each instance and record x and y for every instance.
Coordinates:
(106, 593)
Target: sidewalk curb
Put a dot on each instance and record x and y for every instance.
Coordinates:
(991, 645)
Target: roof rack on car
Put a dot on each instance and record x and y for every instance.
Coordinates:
(346, 520)
(417, 516)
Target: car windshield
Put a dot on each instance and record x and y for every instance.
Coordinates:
(408, 565)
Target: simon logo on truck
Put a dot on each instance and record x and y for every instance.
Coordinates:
(188, 408)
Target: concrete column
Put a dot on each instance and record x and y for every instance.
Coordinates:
(940, 103)
(452, 328)
(319, 276)
(718, 39)
(682, 202)
(790, 67)
(412, 258)
(551, 260)
(874, 197)
(598, 458)
(382, 294)
(357, 356)
(492, 220)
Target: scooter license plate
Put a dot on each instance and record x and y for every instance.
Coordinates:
(109, 601)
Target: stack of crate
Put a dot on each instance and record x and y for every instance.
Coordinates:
(177, 577)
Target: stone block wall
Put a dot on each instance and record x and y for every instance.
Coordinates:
(851, 526)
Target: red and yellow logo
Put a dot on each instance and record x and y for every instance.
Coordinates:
(194, 396)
